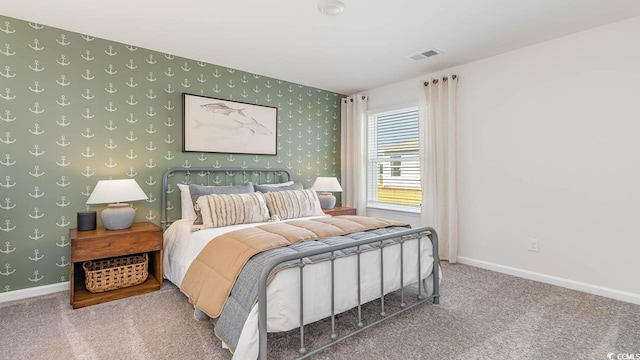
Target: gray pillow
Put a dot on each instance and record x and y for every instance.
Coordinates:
(265, 188)
(198, 190)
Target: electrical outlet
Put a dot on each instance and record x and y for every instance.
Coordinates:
(533, 245)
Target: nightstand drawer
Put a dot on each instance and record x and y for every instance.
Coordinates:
(102, 243)
(340, 210)
(98, 248)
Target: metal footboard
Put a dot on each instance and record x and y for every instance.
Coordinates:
(397, 237)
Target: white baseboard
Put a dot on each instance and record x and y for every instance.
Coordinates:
(554, 280)
(34, 291)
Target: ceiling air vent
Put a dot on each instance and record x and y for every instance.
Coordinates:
(424, 55)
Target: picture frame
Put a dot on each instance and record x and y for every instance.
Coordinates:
(216, 125)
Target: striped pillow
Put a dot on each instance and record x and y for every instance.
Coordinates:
(220, 210)
(198, 190)
(291, 204)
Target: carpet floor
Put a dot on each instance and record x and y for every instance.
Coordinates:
(481, 315)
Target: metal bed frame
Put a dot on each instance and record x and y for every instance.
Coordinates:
(399, 238)
(378, 243)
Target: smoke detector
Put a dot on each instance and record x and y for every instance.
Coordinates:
(424, 55)
(331, 7)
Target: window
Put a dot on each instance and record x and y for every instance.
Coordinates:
(393, 156)
(396, 167)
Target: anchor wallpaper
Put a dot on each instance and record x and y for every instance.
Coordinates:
(75, 109)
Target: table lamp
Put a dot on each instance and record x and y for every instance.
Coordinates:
(326, 185)
(118, 215)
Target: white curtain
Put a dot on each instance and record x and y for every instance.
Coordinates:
(437, 106)
(354, 152)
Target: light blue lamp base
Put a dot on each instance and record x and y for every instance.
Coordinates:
(118, 216)
(327, 200)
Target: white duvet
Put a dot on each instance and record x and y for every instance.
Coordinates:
(181, 247)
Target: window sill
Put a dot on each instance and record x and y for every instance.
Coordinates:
(395, 208)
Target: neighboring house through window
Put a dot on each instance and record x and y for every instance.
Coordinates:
(396, 168)
(393, 160)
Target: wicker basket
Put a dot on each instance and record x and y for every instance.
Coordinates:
(116, 273)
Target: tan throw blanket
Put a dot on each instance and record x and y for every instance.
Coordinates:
(211, 276)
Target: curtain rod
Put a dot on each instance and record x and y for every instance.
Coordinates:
(350, 98)
(444, 78)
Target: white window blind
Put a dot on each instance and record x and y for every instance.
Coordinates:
(394, 166)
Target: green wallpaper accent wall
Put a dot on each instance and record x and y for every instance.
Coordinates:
(76, 109)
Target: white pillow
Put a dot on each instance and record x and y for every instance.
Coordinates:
(279, 184)
(277, 187)
(186, 204)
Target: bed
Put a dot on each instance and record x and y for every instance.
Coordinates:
(323, 278)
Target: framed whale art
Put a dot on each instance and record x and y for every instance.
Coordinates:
(225, 126)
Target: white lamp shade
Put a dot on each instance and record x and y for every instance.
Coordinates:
(326, 184)
(114, 191)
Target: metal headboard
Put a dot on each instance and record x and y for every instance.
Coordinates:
(212, 176)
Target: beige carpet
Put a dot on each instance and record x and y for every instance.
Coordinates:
(482, 315)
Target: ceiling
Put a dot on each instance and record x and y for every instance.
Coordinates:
(369, 45)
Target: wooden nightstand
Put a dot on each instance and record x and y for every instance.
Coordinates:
(340, 210)
(144, 237)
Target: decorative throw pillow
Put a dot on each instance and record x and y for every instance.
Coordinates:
(197, 191)
(186, 203)
(291, 204)
(265, 188)
(231, 209)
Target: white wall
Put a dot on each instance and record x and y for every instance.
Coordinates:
(549, 148)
